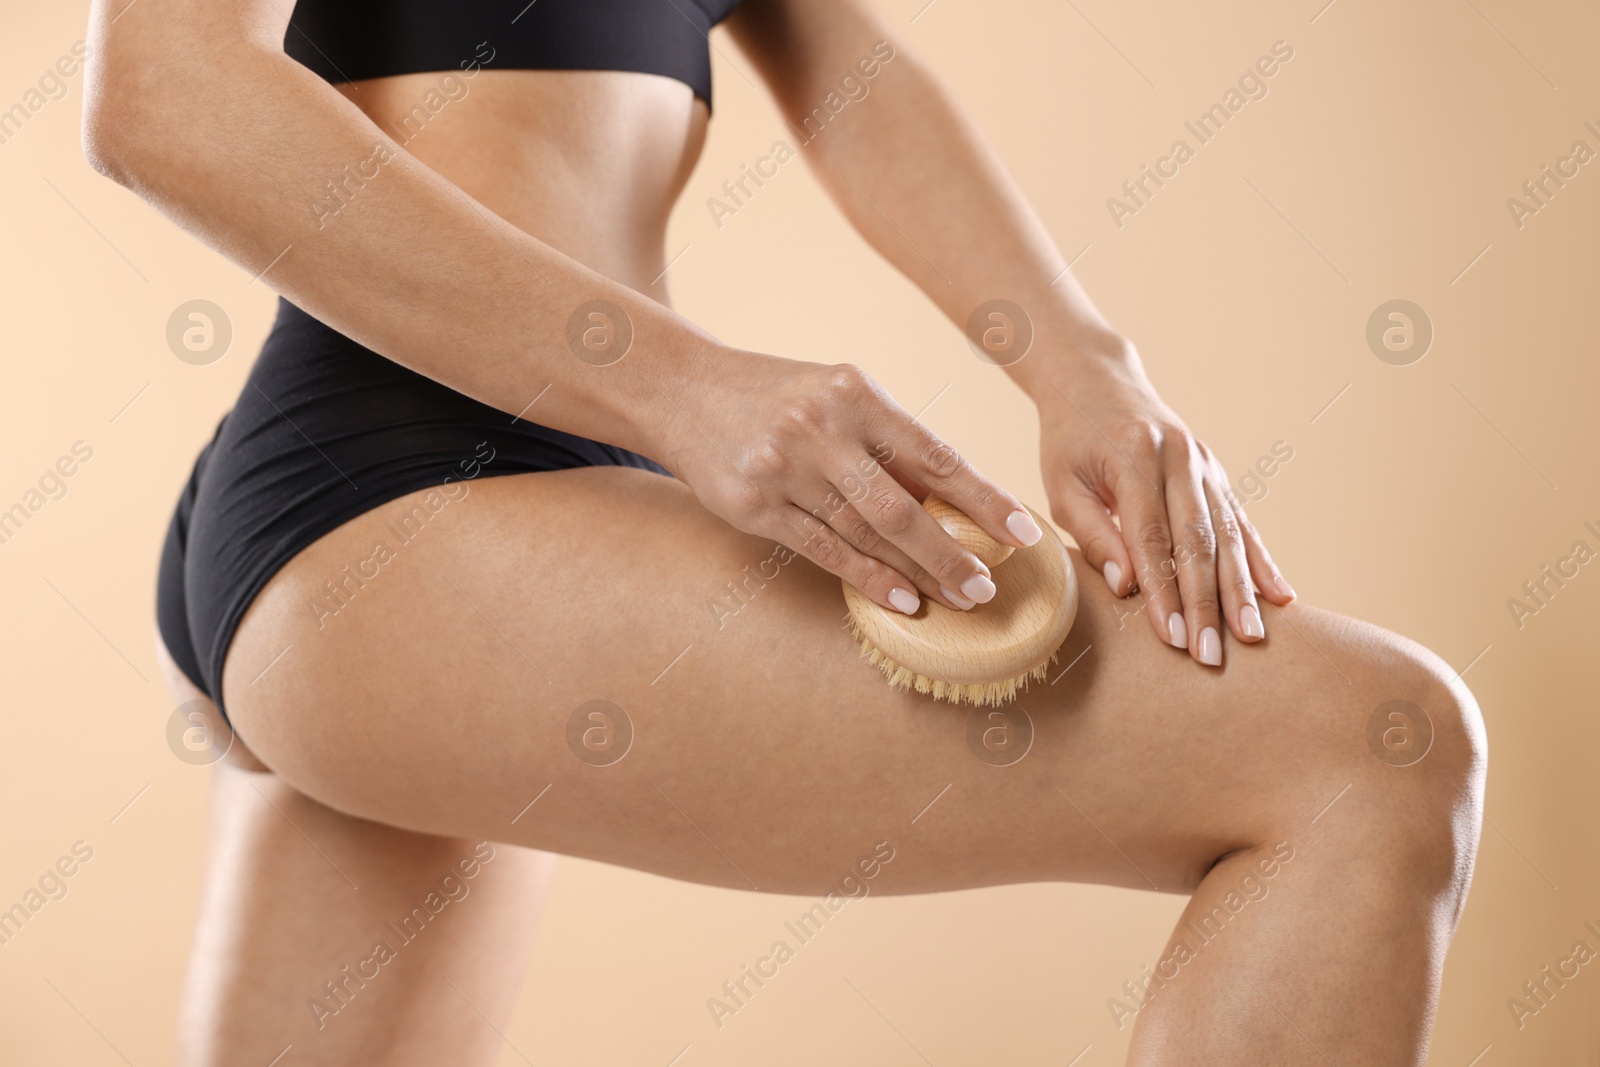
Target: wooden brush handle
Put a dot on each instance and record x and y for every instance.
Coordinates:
(986, 652)
(973, 537)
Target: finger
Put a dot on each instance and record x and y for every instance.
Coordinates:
(1147, 536)
(822, 545)
(1082, 513)
(899, 520)
(865, 538)
(1263, 570)
(1239, 606)
(1195, 549)
(912, 486)
(927, 461)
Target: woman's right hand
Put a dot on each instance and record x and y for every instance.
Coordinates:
(820, 459)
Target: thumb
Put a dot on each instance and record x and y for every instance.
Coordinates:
(1082, 513)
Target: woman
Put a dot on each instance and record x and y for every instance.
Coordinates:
(408, 598)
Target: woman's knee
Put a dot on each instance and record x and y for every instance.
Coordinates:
(1422, 758)
(1350, 727)
(1428, 723)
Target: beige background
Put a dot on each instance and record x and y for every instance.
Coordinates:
(1377, 168)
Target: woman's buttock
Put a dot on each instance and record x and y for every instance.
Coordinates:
(324, 431)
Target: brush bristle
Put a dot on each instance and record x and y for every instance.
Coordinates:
(991, 694)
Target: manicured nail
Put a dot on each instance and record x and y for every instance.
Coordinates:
(1113, 575)
(1023, 528)
(1250, 621)
(978, 588)
(904, 600)
(1284, 588)
(1176, 633)
(1210, 647)
(958, 600)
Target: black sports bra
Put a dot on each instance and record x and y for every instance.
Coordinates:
(349, 40)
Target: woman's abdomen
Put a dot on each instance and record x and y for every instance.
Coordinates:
(589, 162)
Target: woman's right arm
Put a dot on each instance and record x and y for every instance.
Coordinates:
(194, 106)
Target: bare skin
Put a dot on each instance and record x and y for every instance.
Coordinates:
(438, 699)
(297, 895)
(428, 712)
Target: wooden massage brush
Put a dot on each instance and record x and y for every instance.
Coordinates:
(986, 655)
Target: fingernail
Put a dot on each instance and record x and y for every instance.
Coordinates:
(904, 600)
(1176, 632)
(958, 600)
(978, 588)
(1284, 588)
(1023, 528)
(1113, 575)
(1210, 647)
(1250, 621)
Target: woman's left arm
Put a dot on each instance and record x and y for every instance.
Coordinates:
(1148, 502)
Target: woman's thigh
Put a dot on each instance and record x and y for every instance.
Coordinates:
(588, 662)
(323, 938)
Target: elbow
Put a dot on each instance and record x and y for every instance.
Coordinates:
(147, 121)
(130, 101)
(116, 137)
(102, 142)
(102, 127)
(148, 106)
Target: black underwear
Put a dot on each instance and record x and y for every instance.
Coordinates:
(324, 431)
(351, 40)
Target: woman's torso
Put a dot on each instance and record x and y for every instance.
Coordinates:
(589, 162)
(575, 120)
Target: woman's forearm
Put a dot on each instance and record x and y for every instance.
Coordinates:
(238, 148)
(918, 180)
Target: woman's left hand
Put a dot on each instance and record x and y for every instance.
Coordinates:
(1149, 504)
